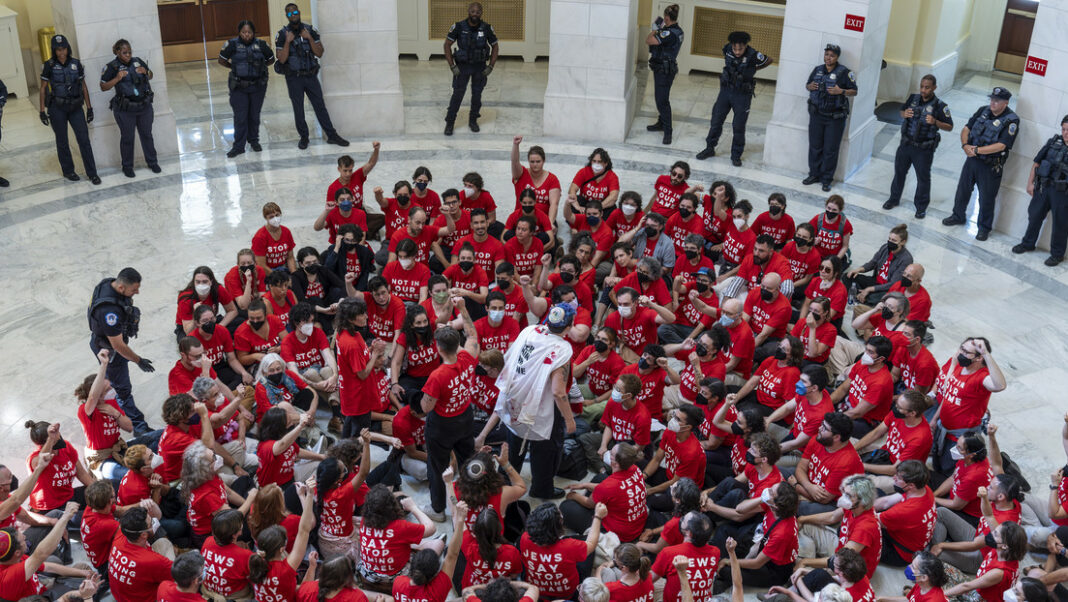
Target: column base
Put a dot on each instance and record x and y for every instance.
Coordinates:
(366, 114)
(104, 135)
(790, 150)
(589, 119)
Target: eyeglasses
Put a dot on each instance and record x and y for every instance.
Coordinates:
(826, 270)
(293, 13)
(678, 174)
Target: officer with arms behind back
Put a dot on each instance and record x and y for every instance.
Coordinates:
(986, 141)
(829, 86)
(113, 320)
(736, 84)
(664, 41)
(62, 92)
(298, 48)
(1048, 187)
(132, 104)
(3, 101)
(475, 44)
(924, 115)
(247, 59)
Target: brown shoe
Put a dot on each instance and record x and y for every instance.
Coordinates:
(335, 425)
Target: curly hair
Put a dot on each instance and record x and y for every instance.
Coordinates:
(348, 309)
(176, 408)
(408, 327)
(347, 451)
(687, 497)
(545, 524)
(380, 508)
(479, 480)
(196, 469)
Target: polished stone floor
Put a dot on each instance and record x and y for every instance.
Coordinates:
(59, 238)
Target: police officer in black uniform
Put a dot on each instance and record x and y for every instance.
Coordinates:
(829, 86)
(664, 41)
(736, 84)
(3, 101)
(476, 43)
(986, 140)
(247, 58)
(113, 320)
(924, 115)
(132, 104)
(60, 102)
(1048, 187)
(298, 48)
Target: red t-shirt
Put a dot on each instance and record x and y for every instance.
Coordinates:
(678, 229)
(963, 397)
(703, 566)
(808, 417)
(204, 502)
(409, 429)
(386, 551)
(134, 572)
(180, 379)
(656, 289)
(641, 591)
(275, 469)
(468, 282)
(541, 193)
(836, 292)
(497, 337)
(487, 252)
(801, 264)
(172, 445)
(397, 217)
(484, 200)
(280, 584)
(826, 333)
(225, 567)
(863, 529)
(621, 224)
(235, 281)
(829, 240)
(384, 322)
(909, 534)
(715, 228)
(876, 388)
(168, 592)
(595, 189)
(309, 592)
(335, 220)
(484, 394)
(406, 283)
(782, 542)
(777, 383)
(273, 250)
(710, 368)
(355, 185)
(636, 331)
(666, 196)
(307, 353)
(429, 201)
(437, 590)
(683, 267)
(426, 237)
(281, 310)
(881, 328)
(861, 591)
(55, 487)
(133, 488)
(627, 425)
(756, 484)
(187, 299)
(461, 228)
(583, 292)
(754, 274)
(967, 479)
(421, 359)
(1009, 569)
(935, 594)
(248, 341)
(775, 314)
(738, 244)
(478, 572)
(827, 469)
(449, 384)
(687, 314)
(352, 357)
(743, 345)
(101, 431)
(553, 569)
(782, 229)
(98, 529)
(524, 260)
(907, 443)
(919, 371)
(623, 493)
(684, 459)
(338, 507)
(600, 376)
(541, 219)
(215, 348)
(919, 303)
(652, 393)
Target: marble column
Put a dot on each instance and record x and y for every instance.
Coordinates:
(591, 90)
(360, 71)
(1041, 104)
(805, 33)
(93, 26)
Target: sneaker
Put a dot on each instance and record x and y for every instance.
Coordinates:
(473, 126)
(233, 152)
(94, 179)
(952, 221)
(656, 127)
(128, 172)
(437, 517)
(982, 235)
(736, 162)
(448, 128)
(810, 180)
(1052, 261)
(302, 143)
(335, 139)
(155, 168)
(335, 425)
(708, 152)
(255, 146)
(73, 177)
(1021, 249)
(890, 204)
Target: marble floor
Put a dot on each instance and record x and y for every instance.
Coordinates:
(59, 238)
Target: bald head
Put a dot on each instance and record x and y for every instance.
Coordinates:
(732, 306)
(771, 284)
(914, 272)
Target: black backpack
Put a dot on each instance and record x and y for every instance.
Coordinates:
(573, 462)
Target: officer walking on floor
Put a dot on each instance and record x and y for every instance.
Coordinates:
(736, 84)
(298, 48)
(3, 101)
(247, 58)
(476, 43)
(924, 115)
(986, 141)
(113, 320)
(665, 41)
(60, 102)
(1048, 187)
(829, 86)
(131, 105)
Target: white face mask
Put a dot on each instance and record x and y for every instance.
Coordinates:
(202, 289)
(866, 359)
(956, 454)
(1010, 595)
(406, 263)
(765, 496)
(217, 466)
(628, 210)
(626, 312)
(275, 221)
(673, 425)
(156, 462)
(469, 192)
(617, 396)
(738, 223)
(495, 315)
(845, 502)
(597, 167)
(307, 329)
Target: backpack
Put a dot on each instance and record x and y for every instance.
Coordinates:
(573, 461)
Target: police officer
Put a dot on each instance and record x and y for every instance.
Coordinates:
(736, 84)
(476, 43)
(247, 59)
(1048, 187)
(924, 115)
(986, 141)
(113, 319)
(664, 41)
(132, 104)
(298, 48)
(3, 101)
(829, 86)
(60, 101)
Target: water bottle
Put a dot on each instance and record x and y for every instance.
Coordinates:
(853, 294)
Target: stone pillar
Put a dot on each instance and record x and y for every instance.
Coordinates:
(1041, 104)
(591, 90)
(805, 33)
(360, 71)
(93, 26)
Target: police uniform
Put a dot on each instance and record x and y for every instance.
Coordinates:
(1051, 196)
(737, 82)
(919, 140)
(132, 107)
(474, 47)
(113, 314)
(663, 63)
(301, 70)
(3, 101)
(827, 120)
(248, 86)
(984, 171)
(63, 101)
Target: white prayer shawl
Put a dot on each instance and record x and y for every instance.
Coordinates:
(526, 402)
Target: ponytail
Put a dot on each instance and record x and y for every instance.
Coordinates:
(258, 567)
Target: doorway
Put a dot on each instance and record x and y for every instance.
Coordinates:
(195, 30)
(1015, 38)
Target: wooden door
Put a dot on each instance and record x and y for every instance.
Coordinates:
(1015, 38)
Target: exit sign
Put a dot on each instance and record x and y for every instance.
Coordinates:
(1036, 65)
(854, 22)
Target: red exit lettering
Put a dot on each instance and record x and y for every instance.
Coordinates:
(1036, 65)
(854, 22)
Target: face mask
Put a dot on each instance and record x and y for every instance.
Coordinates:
(801, 242)
(573, 303)
(593, 221)
(891, 246)
(617, 396)
(479, 370)
(906, 281)
(202, 289)
(255, 325)
(964, 360)
(208, 328)
(469, 192)
(766, 295)
(800, 388)
(626, 312)
(701, 400)
(685, 213)
(194, 419)
(673, 425)
(691, 255)
(467, 266)
(701, 350)
(898, 489)
(61, 444)
(765, 496)
(312, 269)
(737, 430)
(345, 205)
(775, 210)
(956, 454)
(275, 222)
(780, 354)
(307, 329)
(421, 329)
(866, 359)
(421, 185)
(275, 379)
(440, 297)
(844, 502)
(830, 215)
(600, 346)
(218, 464)
(726, 321)
(644, 278)
(403, 199)
(738, 223)
(989, 541)
(567, 277)
(503, 284)
(750, 458)
(887, 313)
(897, 412)
(528, 209)
(628, 210)
(700, 287)
(1010, 596)
(597, 167)
(909, 574)
(157, 461)
(495, 315)
(643, 364)
(406, 263)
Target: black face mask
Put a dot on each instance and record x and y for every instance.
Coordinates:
(421, 329)
(700, 287)
(897, 413)
(644, 278)
(737, 430)
(685, 213)
(831, 215)
(651, 232)
(312, 269)
(643, 364)
(593, 220)
(891, 246)
(775, 210)
(600, 346)
(467, 266)
(567, 277)
(801, 242)
(276, 379)
(750, 458)
(528, 209)
(479, 370)
(247, 268)
(766, 295)
(990, 542)
(208, 328)
(906, 282)
(780, 354)
(256, 325)
(964, 360)
(503, 284)
(60, 444)
(887, 313)
(900, 490)
(701, 350)
(403, 199)
(691, 255)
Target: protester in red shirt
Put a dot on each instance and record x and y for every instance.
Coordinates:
(998, 570)
(468, 279)
(622, 492)
(691, 260)
(684, 223)
(395, 210)
(816, 332)
(421, 233)
(919, 298)
(755, 266)
(930, 576)
(55, 487)
(205, 493)
(739, 238)
(545, 185)
(908, 436)
(429, 579)
(703, 559)
(599, 364)
(886, 319)
(680, 455)
(279, 299)
(655, 373)
(461, 218)
(668, 190)
(567, 273)
(775, 222)
(98, 526)
(337, 580)
(740, 352)
(218, 346)
(827, 460)
(868, 391)
(624, 420)
(385, 311)
(717, 209)
(192, 362)
(356, 361)
(226, 564)
(833, 230)
(629, 215)
(102, 421)
(647, 280)
(858, 528)
(278, 450)
(596, 181)
(489, 252)
(475, 196)
(777, 549)
(187, 422)
(257, 336)
(962, 394)
(422, 195)
(408, 278)
(803, 258)
(242, 287)
(203, 289)
(187, 574)
(338, 494)
(807, 408)
(523, 251)
(134, 569)
(828, 284)
(515, 303)
(498, 329)
(273, 244)
(908, 517)
(773, 382)
(634, 584)
(768, 311)
(550, 559)
(352, 178)
(527, 206)
(705, 359)
(387, 539)
(849, 571)
(636, 319)
(972, 472)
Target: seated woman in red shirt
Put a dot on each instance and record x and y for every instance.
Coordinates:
(554, 563)
(336, 582)
(55, 487)
(338, 492)
(544, 185)
(634, 584)
(527, 205)
(999, 569)
(387, 539)
(827, 284)
(276, 385)
(226, 564)
(596, 181)
(430, 579)
(773, 382)
(502, 589)
(776, 552)
(102, 422)
(480, 486)
(273, 244)
(204, 492)
(273, 574)
(487, 555)
(833, 230)
(203, 289)
(623, 492)
(279, 298)
(18, 571)
(816, 332)
(415, 355)
(858, 526)
(278, 451)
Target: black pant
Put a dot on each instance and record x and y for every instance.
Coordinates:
(1047, 200)
(730, 100)
(59, 119)
(824, 139)
(766, 576)
(354, 425)
(863, 281)
(141, 120)
(118, 374)
(227, 375)
(468, 72)
(766, 350)
(544, 457)
(445, 436)
(977, 173)
(299, 86)
(247, 103)
(577, 517)
(662, 93)
(919, 158)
